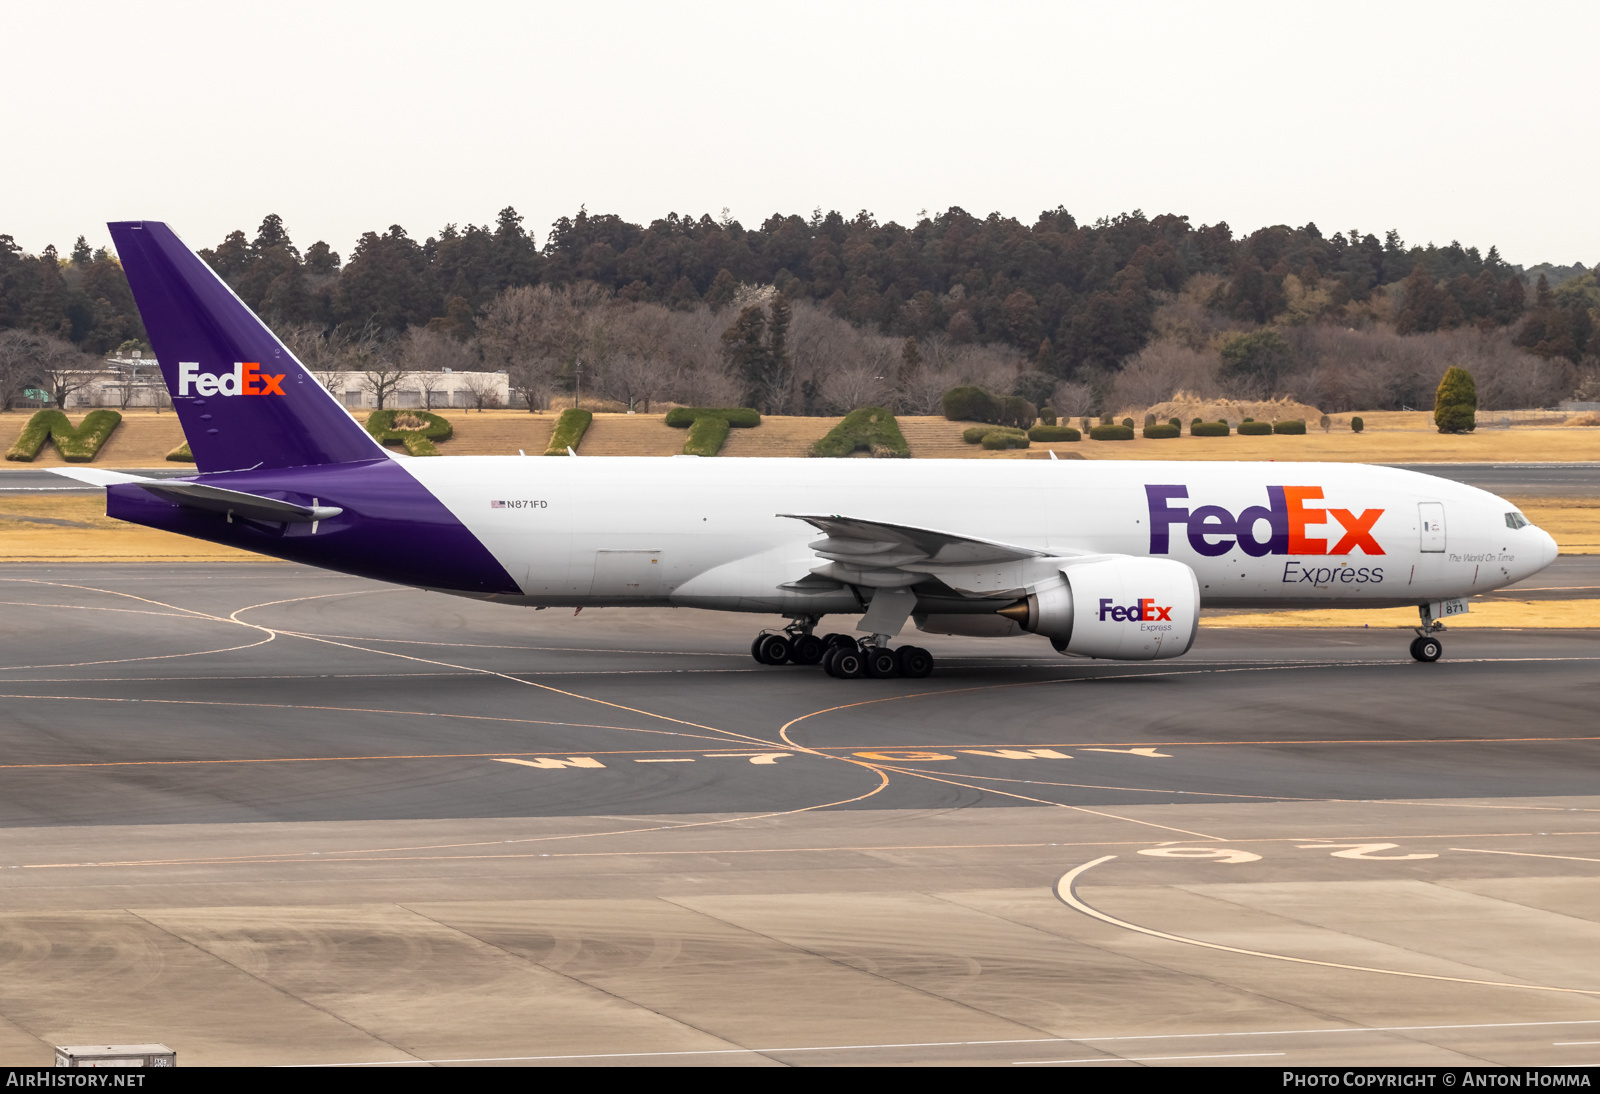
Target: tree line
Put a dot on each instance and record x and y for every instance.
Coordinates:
(803, 314)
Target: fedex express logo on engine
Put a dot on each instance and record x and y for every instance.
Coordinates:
(245, 379)
(1213, 530)
(1142, 610)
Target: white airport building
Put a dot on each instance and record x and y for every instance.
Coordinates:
(135, 381)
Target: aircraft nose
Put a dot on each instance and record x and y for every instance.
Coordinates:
(1547, 549)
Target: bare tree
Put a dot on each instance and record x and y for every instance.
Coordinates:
(429, 384)
(426, 355)
(55, 365)
(17, 350)
(1072, 400)
(860, 383)
(127, 386)
(483, 390)
(377, 360)
(322, 353)
(525, 331)
(1161, 369)
(632, 380)
(381, 378)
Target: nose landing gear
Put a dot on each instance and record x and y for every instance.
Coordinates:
(1425, 647)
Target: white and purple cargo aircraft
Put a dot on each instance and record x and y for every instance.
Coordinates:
(1106, 559)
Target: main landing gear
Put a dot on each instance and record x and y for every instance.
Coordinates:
(1425, 647)
(849, 659)
(839, 654)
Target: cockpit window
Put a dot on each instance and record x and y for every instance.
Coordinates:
(1516, 520)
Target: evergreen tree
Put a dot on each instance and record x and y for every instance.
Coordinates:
(1456, 404)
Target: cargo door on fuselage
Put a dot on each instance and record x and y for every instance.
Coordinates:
(1430, 522)
(627, 573)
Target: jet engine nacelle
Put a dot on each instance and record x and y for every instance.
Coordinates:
(1124, 609)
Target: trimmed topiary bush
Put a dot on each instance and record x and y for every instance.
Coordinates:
(1196, 422)
(1158, 432)
(972, 404)
(1252, 428)
(706, 437)
(708, 425)
(78, 445)
(870, 429)
(1128, 422)
(1043, 433)
(1005, 439)
(1047, 415)
(1357, 425)
(1111, 433)
(1290, 427)
(417, 430)
(1017, 412)
(1209, 429)
(1175, 423)
(1455, 407)
(739, 417)
(181, 454)
(1325, 422)
(569, 431)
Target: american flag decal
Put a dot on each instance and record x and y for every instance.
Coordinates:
(497, 505)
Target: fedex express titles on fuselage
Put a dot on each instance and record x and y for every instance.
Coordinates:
(1349, 536)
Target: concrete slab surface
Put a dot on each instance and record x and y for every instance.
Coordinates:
(267, 815)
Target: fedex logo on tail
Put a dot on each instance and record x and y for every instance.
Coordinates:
(1213, 530)
(245, 379)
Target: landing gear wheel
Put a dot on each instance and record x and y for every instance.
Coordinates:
(915, 661)
(1426, 648)
(828, 656)
(881, 664)
(806, 649)
(838, 641)
(755, 648)
(849, 664)
(772, 649)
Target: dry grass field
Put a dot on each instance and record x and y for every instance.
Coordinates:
(145, 437)
(75, 528)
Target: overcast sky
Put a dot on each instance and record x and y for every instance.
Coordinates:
(1444, 120)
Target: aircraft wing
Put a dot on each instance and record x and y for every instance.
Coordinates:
(878, 554)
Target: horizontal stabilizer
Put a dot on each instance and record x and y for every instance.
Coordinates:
(96, 477)
(215, 499)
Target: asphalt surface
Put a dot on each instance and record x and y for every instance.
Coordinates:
(266, 814)
(39, 481)
(1557, 480)
(142, 695)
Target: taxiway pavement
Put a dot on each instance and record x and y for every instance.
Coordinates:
(267, 814)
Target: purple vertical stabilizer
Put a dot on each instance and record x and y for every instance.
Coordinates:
(244, 400)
